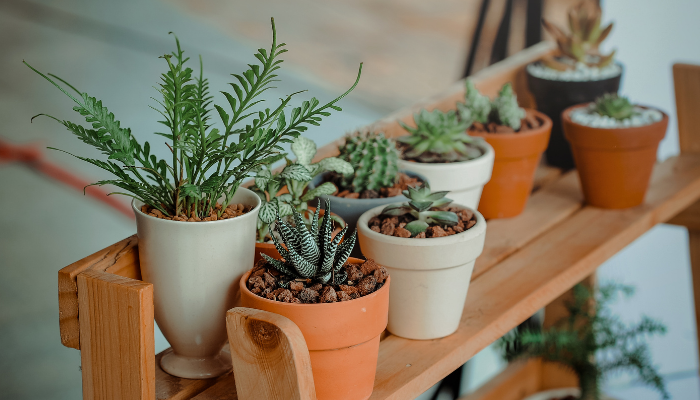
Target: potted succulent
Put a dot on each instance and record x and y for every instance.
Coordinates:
(376, 179)
(196, 225)
(577, 74)
(440, 150)
(429, 246)
(286, 190)
(340, 304)
(518, 137)
(592, 342)
(614, 144)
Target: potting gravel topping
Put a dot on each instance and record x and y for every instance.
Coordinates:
(426, 215)
(402, 183)
(613, 111)
(580, 72)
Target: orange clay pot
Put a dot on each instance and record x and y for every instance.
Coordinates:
(269, 248)
(343, 338)
(517, 157)
(614, 164)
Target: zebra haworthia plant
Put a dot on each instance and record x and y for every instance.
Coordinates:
(311, 252)
(424, 207)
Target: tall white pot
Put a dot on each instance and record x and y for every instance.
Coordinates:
(464, 180)
(429, 277)
(194, 268)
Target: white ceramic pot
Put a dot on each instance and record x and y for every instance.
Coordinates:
(194, 268)
(464, 180)
(429, 277)
(559, 393)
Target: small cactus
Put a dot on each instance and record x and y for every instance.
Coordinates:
(614, 106)
(506, 109)
(503, 110)
(582, 44)
(311, 253)
(374, 158)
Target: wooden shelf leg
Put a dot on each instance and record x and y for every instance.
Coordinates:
(269, 355)
(116, 337)
(694, 245)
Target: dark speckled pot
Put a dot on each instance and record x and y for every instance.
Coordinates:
(351, 209)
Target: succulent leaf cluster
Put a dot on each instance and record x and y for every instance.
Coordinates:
(592, 342)
(208, 164)
(614, 106)
(295, 177)
(439, 137)
(582, 43)
(374, 158)
(311, 252)
(424, 206)
(503, 110)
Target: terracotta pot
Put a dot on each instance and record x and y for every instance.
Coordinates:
(194, 268)
(464, 180)
(517, 157)
(343, 338)
(269, 248)
(614, 164)
(553, 96)
(559, 393)
(430, 277)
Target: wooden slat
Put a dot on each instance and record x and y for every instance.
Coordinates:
(169, 387)
(694, 246)
(116, 327)
(120, 258)
(270, 357)
(492, 21)
(686, 81)
(517, 381)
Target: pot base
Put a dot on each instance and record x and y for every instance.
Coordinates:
(196, 367)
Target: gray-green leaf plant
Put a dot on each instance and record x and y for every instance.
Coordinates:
(424, 206)
(503, 110)
(208, 164)
(296, 177)
(311, 252)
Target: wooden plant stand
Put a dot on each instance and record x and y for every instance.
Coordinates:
(528, 262)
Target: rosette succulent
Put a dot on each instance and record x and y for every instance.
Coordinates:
(424, 206)
(582, 43)
(374, 158)
(614, 106)
(311, 252)
(439, 137)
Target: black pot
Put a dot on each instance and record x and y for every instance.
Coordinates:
(553, 97)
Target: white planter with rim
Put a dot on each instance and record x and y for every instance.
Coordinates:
(464, 180)
(559, 393)
(194, 268)
(429, 277)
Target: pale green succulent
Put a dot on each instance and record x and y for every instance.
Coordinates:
(614, 106)
(374, 158)
(296, 177)
(439, 137)
(477, 107)
(503, 110)
(311, 252)
(422, 206)
(506, 109)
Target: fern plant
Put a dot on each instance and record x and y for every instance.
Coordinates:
(311, 252)
(425, 206)
(592, 342)
(208, 164)
(295, 177)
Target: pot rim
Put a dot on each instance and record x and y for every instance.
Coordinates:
(139, 213)
(359, 201)
(617, 62)
(482, 159)
(530, 132)
(469, 234)
(566, 118)
(369, 297)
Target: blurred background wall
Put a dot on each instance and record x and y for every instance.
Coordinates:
(411, 49)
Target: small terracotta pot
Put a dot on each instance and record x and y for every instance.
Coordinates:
(269, 248)
(517, 157)
(614, 164)
(343, 338)
(561, 393)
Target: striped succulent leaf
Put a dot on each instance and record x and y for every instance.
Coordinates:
(311, 253)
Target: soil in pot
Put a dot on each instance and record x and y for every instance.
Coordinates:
(394, 226)
(231, 211)
(342, 336)
(517, 155)
(554, 96)
(403, 181)
(614, 164)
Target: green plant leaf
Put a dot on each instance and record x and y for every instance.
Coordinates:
(324, 189)
(304, 149)
(396, 209)
(267, 213)
(416, 227)
(334, 164)
(296, 172)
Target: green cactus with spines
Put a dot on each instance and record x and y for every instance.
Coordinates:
(311, 252)
(506, 109)
(374, 158)
(614, 106)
